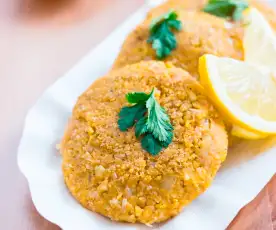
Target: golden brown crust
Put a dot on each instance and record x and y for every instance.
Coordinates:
(202, 33)
(188, 5)
(197, 5)
(108, 172)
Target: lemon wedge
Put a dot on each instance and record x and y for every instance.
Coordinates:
(245, 93)
(246, 134)
(259, 40)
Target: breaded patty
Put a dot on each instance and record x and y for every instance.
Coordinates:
(197, 5)
(107, 170)
(202, 33)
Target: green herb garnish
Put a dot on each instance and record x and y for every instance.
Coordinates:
(158, 122)
(232, 9)
(129, 115)
(150, 119)
(151, 144)
(161, 36)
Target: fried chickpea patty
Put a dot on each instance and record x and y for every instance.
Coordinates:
(107, 170)
(201, 33)
(198, 5)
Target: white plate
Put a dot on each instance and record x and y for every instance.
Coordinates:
(242, 177)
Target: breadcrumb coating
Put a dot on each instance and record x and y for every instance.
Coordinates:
(202, 33)
(107, 170)
(198, 5)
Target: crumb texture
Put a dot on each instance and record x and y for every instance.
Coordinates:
(201, 34)
(108, 172)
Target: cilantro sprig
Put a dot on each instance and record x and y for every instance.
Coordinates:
(232, 9)
(151, 121)
(161, 36)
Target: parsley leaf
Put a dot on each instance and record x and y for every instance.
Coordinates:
(141, 127)
(226, 8)
(128, 116)
(151, 144)
(158, 122)
(150, 119)
(162, 38)
(137, 97)
(171, 15)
